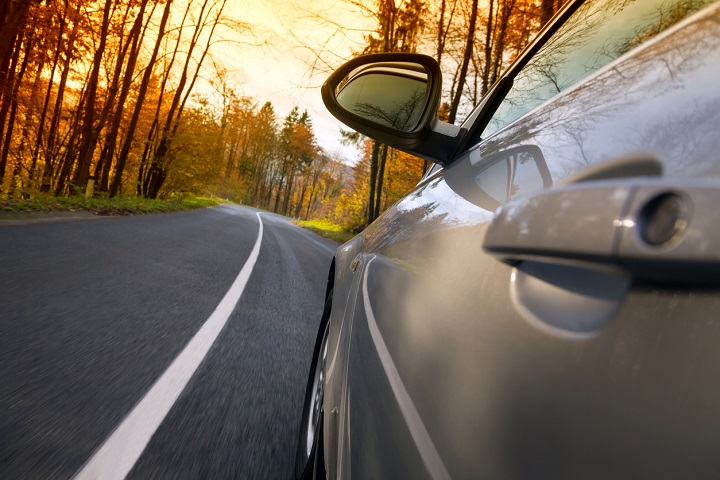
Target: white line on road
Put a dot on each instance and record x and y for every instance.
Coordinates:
(116, 457)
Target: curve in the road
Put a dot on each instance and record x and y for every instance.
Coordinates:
(117, 456)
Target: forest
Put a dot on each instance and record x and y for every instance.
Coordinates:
(101, 97)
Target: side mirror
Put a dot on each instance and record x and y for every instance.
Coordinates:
(394, 99)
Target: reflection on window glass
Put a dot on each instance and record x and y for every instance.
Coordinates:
(393, 100)
(596, 34)
(514, 174)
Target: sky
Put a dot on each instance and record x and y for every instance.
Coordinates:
(278, 70)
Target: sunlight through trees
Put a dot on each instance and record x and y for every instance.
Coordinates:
(102, 95)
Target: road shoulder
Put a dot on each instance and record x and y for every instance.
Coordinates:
(24, 218)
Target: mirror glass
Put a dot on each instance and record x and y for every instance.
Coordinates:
(391, 94)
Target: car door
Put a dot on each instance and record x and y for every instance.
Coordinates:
(547, 305)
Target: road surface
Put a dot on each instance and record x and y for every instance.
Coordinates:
(96, 315)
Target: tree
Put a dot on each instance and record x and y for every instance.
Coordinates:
(13, 17)
(398, 30)
(13, 36)
(209, 15)
(467, 55)
(122, 158)
(9, 102)
(89, 131)
(121, 81)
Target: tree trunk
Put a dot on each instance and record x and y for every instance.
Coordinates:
(488, 48)
(122, 159)
(505, 11)
(102, 169)
(381, 177)
(288, 191)
(280, 185)
(151, 137)
(50, 150)
(41, 122)
(89, 131)
(13, 15)
(48, 92)
(466, 62)
(156, 166)
(442, 31)
(160, 160)
(374, 159)
(66, 163)
(9, 100)
(299, 204)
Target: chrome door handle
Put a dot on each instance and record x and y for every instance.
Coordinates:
(654, 228)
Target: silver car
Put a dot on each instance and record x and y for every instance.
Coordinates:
(546, 302)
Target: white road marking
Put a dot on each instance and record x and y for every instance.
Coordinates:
(116, 457)
(423, 442)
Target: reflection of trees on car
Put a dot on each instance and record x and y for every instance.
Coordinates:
(403, 117)
(598, 33)
(665, 16)
(660, 69)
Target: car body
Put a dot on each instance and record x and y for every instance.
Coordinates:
(545, 303)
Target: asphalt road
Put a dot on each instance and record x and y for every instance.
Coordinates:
(92, 312)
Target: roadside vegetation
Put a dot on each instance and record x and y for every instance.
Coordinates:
(120, 205)
(327, 229)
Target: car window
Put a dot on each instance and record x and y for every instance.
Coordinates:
(514, 172)
(596, 34)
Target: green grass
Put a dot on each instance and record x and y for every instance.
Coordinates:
(104, 206)
(327, 229)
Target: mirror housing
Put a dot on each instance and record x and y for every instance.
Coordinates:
(394, 98)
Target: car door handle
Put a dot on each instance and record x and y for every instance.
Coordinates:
(655, 228)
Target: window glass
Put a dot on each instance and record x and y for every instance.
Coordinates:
(596, 34)
(515, 173)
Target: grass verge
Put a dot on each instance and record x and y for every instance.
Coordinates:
(326, 229)
(104, 206)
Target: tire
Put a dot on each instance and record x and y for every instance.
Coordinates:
(309, 459)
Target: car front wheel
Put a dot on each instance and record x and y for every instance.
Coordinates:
(309, 462)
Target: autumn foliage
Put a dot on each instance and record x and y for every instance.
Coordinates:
(101, 97)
